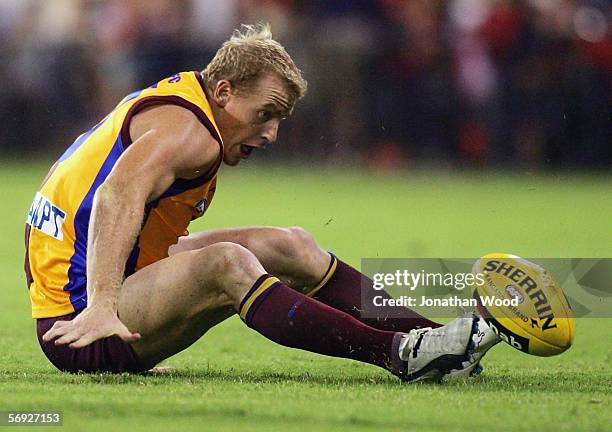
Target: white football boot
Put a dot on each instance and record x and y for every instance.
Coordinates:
(484, 339)
(430, 354)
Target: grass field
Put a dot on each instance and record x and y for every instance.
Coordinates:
(234, 379)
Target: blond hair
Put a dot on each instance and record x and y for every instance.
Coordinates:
(249, 54)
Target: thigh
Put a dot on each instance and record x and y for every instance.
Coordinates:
(173, 302)
(264, 242)
(290, 254)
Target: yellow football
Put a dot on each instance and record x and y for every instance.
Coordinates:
(524, 305)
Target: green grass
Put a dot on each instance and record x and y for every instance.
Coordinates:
(235, 379)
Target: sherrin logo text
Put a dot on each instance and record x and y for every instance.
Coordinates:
(524, 281)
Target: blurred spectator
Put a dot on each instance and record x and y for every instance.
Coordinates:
(48, 76)
(410, 84)
(391, 82)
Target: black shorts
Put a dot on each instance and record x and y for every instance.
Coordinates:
(105, 355)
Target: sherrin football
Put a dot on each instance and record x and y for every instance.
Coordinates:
(539, 319)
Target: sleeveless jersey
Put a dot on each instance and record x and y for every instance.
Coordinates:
(58, 220)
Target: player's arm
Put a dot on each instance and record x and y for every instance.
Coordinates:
(171, 143)
(168, 142)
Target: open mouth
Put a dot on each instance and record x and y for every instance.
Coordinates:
(246, 150)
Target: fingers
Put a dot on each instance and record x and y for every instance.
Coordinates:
(69, 337)
(133, 337)
(81, 342)
(63, 332)
(128, 336)
(69, 332)
(56, 330)
(78, 334)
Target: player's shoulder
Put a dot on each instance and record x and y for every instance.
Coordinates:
(165, 115)
(176, 122)
(179, 104)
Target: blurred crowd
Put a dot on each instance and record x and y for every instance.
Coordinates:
(392, 83)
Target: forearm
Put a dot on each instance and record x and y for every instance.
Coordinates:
(116, 220)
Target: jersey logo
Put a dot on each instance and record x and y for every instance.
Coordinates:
(200, 207)
(174, 78)
(46, 217)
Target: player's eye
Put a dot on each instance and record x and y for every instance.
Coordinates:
(264, 115)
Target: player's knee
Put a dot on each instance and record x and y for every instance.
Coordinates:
(303, 248)
(230, 267)
(295, 243)
(229, 259)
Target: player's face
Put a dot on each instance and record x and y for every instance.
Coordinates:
(249, 120)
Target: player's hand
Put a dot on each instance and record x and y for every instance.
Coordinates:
(90, 325)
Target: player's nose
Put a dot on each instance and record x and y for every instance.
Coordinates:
(270, 133)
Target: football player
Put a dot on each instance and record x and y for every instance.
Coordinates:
(117, 283)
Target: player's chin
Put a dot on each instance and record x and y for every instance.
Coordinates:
(231, 160)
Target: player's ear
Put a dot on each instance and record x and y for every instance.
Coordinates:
(223, 90)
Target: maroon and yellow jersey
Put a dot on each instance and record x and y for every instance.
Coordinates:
(58, 220)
